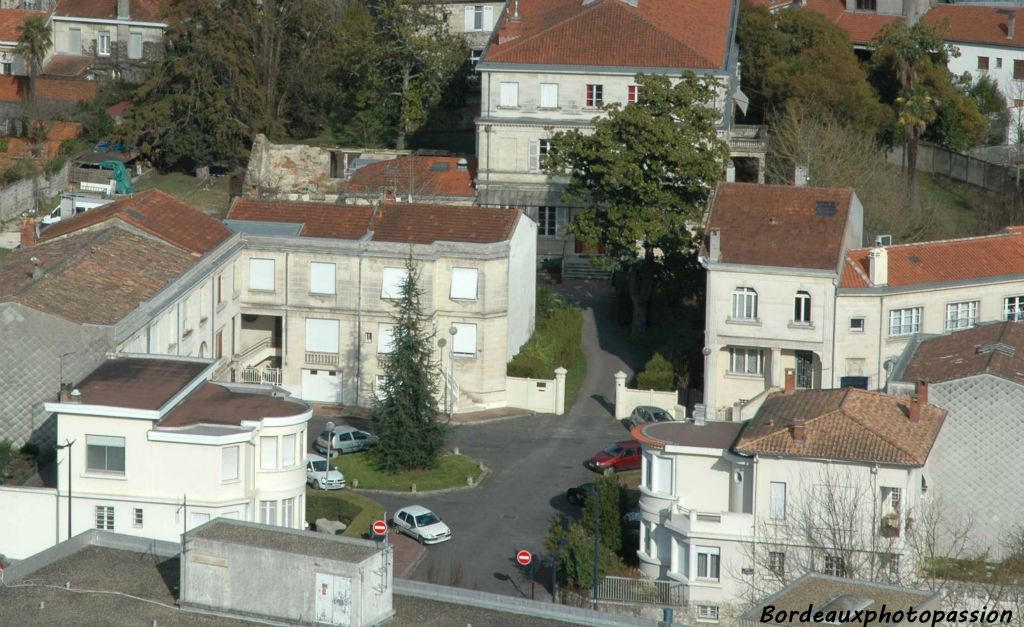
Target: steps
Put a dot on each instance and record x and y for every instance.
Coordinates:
(583, 268)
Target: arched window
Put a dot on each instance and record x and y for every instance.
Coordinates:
(802, 307)
(744, 303)
(203, 350)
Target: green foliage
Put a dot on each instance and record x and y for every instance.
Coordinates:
(22, 169)
(801, 57)
(355, 510)
(405, 417)
(35, 39)
(658, 374)
(574, 545)
(555, 341)
(3, 145)
(6, 448)
(320, 505)
(992, 104)
(552, 265)
(29, 449)
(607, 509)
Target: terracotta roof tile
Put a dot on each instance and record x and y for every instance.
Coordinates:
(861, 26)
(157, 213)
(95, 277)
(67, 65)
(139, 10)
(659, 33)
(848, 424)
(974, 24)
(408, 223)
(779, 225)
(996, 349)
(11, 21)
(213, 404)
(965, 259)
(418, 175)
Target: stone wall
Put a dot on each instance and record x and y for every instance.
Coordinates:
(18, 196)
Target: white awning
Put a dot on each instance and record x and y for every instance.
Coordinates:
(741, 100)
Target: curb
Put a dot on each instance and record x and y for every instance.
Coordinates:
(491, 420)
(483, 476)
(416, 562)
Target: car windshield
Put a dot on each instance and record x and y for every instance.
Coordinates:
(661, 415)
(319, 465)
(614, 449)
(424, 520)
(359, 435)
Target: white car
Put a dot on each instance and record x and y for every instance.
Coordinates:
(318, 475)
(421, 524)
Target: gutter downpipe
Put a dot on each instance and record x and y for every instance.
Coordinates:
(881, 330)
(359, 323)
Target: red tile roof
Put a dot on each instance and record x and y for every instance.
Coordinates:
(965, 259)
(655, 33)
(974, 24)
(996, 349)
(407, 223)
(92, 277)
(11, 21)
(848, 424)
(67, 65)
(779, 225)
(118, 109)
(157, 213)
(861, 26)
(139, 10)
(12, 88)
(213, 404)
(417, 175)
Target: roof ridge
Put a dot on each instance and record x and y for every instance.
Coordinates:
(674, 38)
(515, 43)
(881, 436)
(944, 241)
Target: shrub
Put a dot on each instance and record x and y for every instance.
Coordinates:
(29, 449)
(527, 366)
(555, 341)
(574, 545)
(552, 265)
(330, 507)
(658, 374)
(611, 498)
(5, 454)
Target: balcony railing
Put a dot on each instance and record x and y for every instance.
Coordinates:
(265, 376)
(634, 590)
(322, 359)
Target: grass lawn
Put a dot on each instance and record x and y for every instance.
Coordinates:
(574, 380)
(451, 472)
(355, 510)
(211, 197)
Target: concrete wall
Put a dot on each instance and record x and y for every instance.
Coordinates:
(541, 395)
(29, 522)
(628, 399)
(265, 582)
(522, 286)
(20, 196)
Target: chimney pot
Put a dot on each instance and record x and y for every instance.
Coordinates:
(922, 391)
(878, 267)
(790, 380)
(798, 431)
(124, 10)
(76, 396)
(29, 232)
(915, 409)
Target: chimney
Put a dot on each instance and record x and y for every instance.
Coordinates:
(922, 391)
(790, 380)
(1011, 22)
(37, 272)
(878, 269)
(512, 27)
(715, 245)
(798, 431)
(29, 232)
(65, 392)
(698, 414)
(800, 176)
(915, 409)
(124, 10)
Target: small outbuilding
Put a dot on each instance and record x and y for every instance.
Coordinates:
(284, 574)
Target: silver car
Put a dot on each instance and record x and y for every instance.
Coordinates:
(646, 413)
(346, 440)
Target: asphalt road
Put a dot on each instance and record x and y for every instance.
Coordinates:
(533, 460)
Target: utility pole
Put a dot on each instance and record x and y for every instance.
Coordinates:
(597, 535)
(67, 445)
(184, 530)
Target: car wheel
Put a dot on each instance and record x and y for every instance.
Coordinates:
(316, 485)
(419, 539)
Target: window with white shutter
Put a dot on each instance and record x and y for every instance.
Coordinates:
(464, 283)
(321, 278)
(391, 286)
(288, 451)
(469, 18)
(385, 338)
(509, 95)
(268, 453)
(549, 95)
(488, 22)
(261, 275)
(229, 463)
(533, 159)
(321, 335)
(662, 474)
(464, 342)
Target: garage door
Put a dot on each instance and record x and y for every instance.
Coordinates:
(322, 386)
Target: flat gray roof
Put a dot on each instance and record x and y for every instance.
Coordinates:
(712, 434)
(286, 540)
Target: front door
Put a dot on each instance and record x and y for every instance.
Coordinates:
(804, 370)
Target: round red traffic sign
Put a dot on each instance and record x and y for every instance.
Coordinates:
(380, 527)
(524, 557)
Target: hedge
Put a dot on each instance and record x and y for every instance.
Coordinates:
(555, 341)
(658, 374)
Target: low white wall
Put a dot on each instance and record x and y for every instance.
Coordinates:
(28, 523)
(627, 399)
(541, 395)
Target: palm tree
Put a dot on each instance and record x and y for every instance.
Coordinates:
(34, 42)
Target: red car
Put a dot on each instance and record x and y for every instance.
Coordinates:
(620, 456)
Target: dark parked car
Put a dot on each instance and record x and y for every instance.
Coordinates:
(620, 456)
(646, 413)
(580, 494)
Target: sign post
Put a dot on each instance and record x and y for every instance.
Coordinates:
(380, 530)
(525, 558)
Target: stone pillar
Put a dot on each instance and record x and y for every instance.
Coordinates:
(776, 380)
(710, 381)
(760, 170)
(560, 373)
(620, 395)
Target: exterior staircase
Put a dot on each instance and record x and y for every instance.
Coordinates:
(583, 267)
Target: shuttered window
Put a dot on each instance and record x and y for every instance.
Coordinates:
(321, 335)
(464, 342)
(321, 278)
(391, 286)
(261, 274)
(464, 283)
(385, 338)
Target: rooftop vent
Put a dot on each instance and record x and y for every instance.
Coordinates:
(135, 214)
(825, 208)
(463, 164)
(913, 259)
(998, 347)
(847, 602)
(441, 166)
(883, 240)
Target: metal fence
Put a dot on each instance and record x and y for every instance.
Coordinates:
(995, 177)
(631, 590)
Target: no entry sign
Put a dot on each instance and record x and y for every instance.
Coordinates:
(380, 527)
(524, 557)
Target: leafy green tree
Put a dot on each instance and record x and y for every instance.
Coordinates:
(607, 508)
(992, 104)
(643, 174)
(405, 417)
(801, 57)
(658, 374)
(34, 42)
(574, 544)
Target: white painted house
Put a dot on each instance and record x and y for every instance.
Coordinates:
(725, 505)
(151, 447)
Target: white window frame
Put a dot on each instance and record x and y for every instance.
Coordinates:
(105, 442)
(288, 457)
(963, 315)
(1013, 308)
(551, 221)
(138, 517)
(288, 512)
(802, 307)
(323, 335)
(854, 328)
(662, 479)
(707, 613)
(744, 303)
(742, 359)
(549, 95)
(905, 321)
(464, 283)
(632, 93)
(268, 452)
(378, 387)
(259, 280)
(777, 563)
(777, 501)
(392, 280)
(833, 565)
(508, 95)
(594, 96)
(103, 37)
(385, 338)
(322, 278)
(538, 150)
(104, 517)
(133, 39)
(229, 464)
(461, 341)
(712, 570)
(268, 512)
